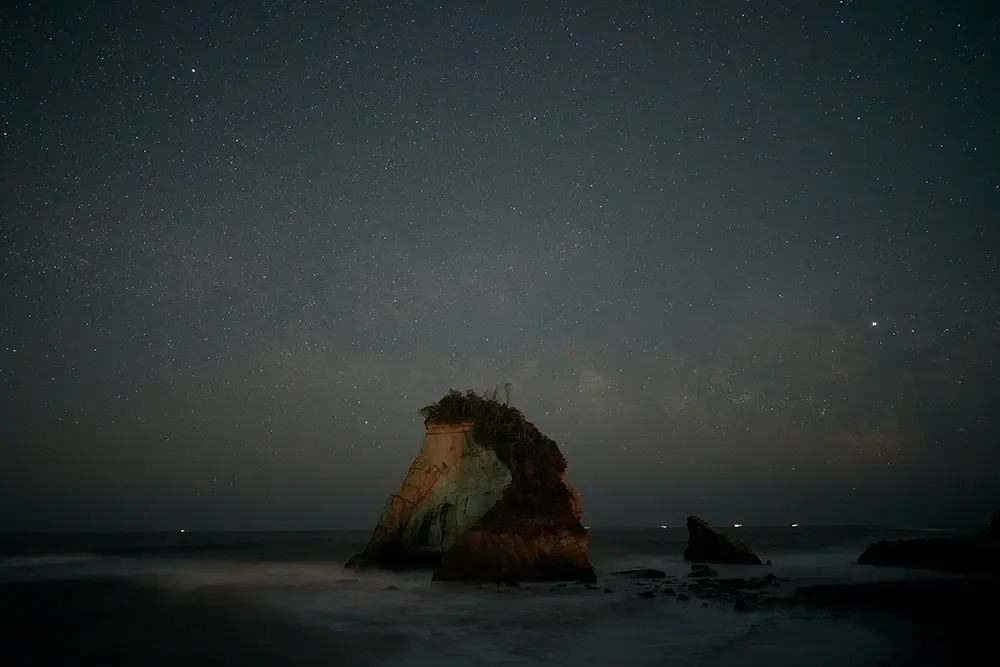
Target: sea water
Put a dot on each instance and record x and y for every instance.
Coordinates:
(402, 618)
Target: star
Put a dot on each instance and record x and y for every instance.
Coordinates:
(240, 270)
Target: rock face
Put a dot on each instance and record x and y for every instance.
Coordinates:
(448, 487)
(486, 499)
(706, 545)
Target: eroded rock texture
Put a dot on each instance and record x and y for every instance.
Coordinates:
(486, 499)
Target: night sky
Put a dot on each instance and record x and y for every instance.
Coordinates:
(739, 259)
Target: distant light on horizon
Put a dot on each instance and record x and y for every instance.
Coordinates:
(795, 525)
(737, 525)
(662, 526)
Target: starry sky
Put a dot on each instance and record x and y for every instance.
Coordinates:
(738, 258)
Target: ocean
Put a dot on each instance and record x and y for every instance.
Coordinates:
(284, 598)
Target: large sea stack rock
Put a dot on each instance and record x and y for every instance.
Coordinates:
(967, 554)
(486, 499)
(707, 545)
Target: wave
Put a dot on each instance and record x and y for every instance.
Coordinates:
(149, 549)
(913, 529)
(44, 560)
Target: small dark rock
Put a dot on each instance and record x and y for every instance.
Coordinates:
(704, 604)
(768, 562)
(642, 573)
(666, 590)
(683, 597)
(391, 587)
(608, 590)
(741, 605)
(703, 572)
(646, 594)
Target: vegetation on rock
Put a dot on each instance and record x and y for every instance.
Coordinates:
(535, 462)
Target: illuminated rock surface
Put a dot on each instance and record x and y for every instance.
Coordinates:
(486, 499)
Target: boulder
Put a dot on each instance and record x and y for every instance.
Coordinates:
(701, 570)
(707, 545)
(486, 499)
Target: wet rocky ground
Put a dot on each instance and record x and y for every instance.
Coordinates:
(704, 584)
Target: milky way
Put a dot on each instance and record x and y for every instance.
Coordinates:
(737, 259)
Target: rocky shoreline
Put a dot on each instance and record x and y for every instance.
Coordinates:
(952, 620)
(947, 619)
(704, 583)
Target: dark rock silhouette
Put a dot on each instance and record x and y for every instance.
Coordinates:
(707, 545)
(641, 573)
(967, 554)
